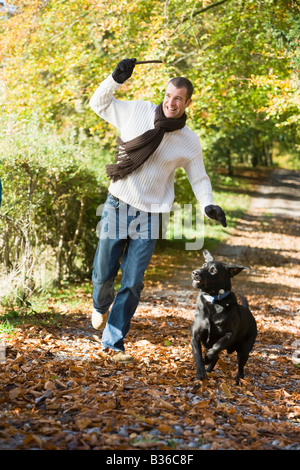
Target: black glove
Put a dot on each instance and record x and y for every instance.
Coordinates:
(123, 70)
(216, 213)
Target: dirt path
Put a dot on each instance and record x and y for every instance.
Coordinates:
(59, 392)
(267, 240)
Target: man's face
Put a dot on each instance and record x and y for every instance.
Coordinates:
(175, 101)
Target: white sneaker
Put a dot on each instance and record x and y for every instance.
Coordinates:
(98, 319)
(119, 356)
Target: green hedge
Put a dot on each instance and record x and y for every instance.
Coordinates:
(49, 200)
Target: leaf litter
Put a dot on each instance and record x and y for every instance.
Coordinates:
(60, 392)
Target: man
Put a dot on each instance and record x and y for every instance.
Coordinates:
(153, 142)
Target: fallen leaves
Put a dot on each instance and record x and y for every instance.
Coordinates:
(58, 396)
(226, 390)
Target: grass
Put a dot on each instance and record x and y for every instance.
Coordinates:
(14, 316)
(288, 159)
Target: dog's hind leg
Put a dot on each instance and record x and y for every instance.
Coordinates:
(212, 364)
(243, 350)
(242, 357)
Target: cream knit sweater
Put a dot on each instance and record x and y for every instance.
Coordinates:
(151, 187)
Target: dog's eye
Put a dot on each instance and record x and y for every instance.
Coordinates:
(213, 270)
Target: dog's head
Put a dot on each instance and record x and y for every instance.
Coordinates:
(214, 277)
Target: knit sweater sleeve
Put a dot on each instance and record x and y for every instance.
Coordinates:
(106, 106)
(197, 175)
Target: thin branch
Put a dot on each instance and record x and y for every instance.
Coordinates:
(203, 10)
(197, 12)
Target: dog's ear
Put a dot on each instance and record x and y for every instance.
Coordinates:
(234, 269)
(207, 256)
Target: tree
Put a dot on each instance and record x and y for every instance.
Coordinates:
(240, 55)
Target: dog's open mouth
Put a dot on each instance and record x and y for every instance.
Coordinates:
(197, 284)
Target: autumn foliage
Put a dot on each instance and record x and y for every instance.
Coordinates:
(58, 391)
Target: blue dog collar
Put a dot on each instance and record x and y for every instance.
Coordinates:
(213, 298)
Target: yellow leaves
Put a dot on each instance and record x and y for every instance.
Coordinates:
(15, 393)
(199, 408)
(202, 404)
(136, 415)
(165, 405)
(32, 438)
(160, 402)
(82, 423)
(226, 390)
(164, 428)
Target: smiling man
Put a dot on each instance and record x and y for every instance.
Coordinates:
(177, 97)
(153, 142)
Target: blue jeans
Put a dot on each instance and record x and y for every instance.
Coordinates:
(127, 239)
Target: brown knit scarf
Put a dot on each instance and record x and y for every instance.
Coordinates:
(132, 154)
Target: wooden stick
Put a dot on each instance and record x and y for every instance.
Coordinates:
(149, 62)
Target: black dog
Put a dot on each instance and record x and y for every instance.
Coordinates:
(220, 322)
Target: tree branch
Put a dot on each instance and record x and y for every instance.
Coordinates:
(203, 10)
(198, 12)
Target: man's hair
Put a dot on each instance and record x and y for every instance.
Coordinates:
(182, 82)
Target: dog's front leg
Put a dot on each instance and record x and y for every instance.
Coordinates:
(212, 354)
(197, 352)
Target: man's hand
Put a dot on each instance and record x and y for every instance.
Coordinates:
(123, 70)
(216, 213)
